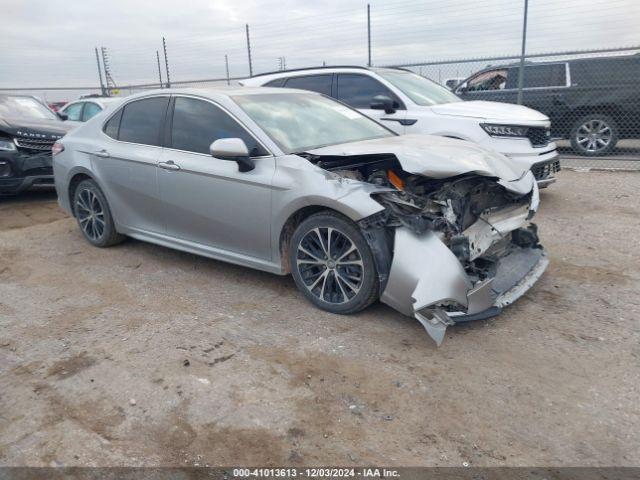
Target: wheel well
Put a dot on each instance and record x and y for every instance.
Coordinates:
(295, 219)
(73, 185)
(578, 113)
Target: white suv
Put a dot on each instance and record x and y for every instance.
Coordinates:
(409, 103)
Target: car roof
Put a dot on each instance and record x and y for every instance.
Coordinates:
(262, 78)
(218, 92)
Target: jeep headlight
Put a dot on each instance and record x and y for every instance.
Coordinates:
(504, 130)
(7, 145)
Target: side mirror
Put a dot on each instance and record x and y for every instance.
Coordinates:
(382, 102)
(233, 149)
(62, 116)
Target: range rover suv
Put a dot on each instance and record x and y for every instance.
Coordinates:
(409, 103)
(28, 130)
(594, 102)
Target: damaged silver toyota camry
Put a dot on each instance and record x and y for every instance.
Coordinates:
(294, 182)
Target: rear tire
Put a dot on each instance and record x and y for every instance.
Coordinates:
(332, 264)
(94, 216)
(594, 135)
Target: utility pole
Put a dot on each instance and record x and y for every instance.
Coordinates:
(159, 70)
(166, 62)
(100, 73)
(524, 44)
(282, 63)
(369, 34)
(226, 66)
(249, 50)
(108, 78)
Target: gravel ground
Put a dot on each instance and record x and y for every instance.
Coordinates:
(140, 355)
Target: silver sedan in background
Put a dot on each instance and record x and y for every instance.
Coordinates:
(288, 181)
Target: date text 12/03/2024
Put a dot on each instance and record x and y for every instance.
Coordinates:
(315, 472)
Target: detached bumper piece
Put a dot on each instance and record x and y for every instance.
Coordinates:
(428, 282)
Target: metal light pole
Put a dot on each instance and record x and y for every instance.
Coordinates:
(249, 50)
(166, 62)
(524, 44)
(100, 73)
(369, 34)
(226, 65)
(159, 69)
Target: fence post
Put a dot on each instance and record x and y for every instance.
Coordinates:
(166, 62)
(369, 34)
(100, 73)
(159, 70)
(226, 65)
(249, 50)
(524, 44)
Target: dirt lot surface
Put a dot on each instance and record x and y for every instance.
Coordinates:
(138, 354)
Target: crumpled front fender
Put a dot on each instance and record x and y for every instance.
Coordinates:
(423, 271)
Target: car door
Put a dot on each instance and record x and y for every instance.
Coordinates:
(125, 161)
(358, 90)
(207, 200)
(545, 88)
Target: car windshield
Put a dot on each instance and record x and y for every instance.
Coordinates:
(419, 89)
(303, 121)
(24, 107)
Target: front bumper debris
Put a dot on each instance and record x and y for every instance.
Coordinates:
(428, 282)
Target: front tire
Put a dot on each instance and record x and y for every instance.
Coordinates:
(332, 264)
(94, 216)
(594, 135)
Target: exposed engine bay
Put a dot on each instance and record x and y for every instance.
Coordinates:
(483, 225)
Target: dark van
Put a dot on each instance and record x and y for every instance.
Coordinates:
(594, 102)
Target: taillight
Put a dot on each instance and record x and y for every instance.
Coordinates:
(57, 148)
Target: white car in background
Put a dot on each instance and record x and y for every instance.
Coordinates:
(409, 103)
(85, 108)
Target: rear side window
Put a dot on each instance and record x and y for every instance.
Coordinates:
(536, 76)
(74, 111)
(358, 90)
(112, 126)
(142, 121)
(315, 83)
(197, 124)
(90, 110)
(275, 83)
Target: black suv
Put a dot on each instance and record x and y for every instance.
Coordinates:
(592, 101)
(28, 129)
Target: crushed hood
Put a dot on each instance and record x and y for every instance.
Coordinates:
(491, 111)
(431, 156)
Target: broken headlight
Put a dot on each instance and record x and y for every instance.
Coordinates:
(7, 145)
(504, 130)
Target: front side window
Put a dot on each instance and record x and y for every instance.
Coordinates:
(142, 121)
(358, 90)
(315, 83)
(299, 122)
(491, 80)
(74, 111)
(275, 83)
(419, 89)
(90, 110)
(24, 107)
(197, 124)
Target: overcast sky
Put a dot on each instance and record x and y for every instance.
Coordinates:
(50, 42)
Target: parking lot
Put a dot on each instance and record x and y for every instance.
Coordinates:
(140, 355)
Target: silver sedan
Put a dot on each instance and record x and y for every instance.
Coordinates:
(294, 182)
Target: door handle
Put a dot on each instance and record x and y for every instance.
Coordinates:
(102, 154)
(169, 165)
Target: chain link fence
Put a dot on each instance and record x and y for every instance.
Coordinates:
(592, 96)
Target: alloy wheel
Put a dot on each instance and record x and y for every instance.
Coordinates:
(90, 214)
(594, 135)
(330, 265)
